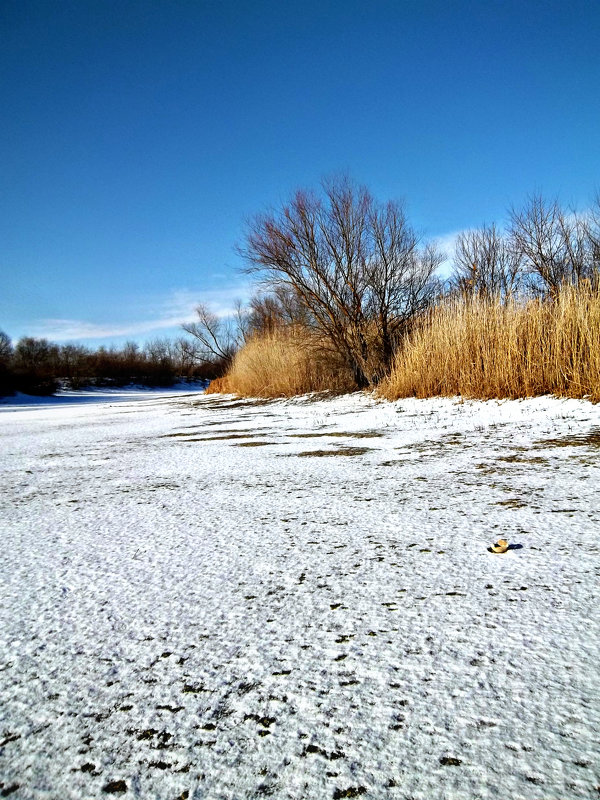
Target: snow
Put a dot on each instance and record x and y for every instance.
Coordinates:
(294, 599)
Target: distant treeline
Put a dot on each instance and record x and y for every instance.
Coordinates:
(37, 366)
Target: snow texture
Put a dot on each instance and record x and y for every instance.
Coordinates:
(203, 597)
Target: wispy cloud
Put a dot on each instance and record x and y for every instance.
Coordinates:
(446, 243)
(181, 303)
(165, 313)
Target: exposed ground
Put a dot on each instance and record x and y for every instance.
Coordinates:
(202, 597)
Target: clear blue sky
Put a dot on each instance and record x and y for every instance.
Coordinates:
(137, 137)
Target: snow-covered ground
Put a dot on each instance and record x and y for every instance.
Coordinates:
(210, 598)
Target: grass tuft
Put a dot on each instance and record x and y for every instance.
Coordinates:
(283, 364)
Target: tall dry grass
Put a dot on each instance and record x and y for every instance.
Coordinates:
(487, 349)
(285, 363)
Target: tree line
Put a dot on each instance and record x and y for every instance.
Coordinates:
(37, 366)
(353, 273)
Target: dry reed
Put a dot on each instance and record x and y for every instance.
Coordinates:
(285, 363)
(490, 349)
(218, 386)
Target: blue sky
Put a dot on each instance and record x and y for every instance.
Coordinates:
(137, 137)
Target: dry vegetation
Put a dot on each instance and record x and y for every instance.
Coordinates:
(486, 348)
(470, 346)
(284, 363)
(352, 301)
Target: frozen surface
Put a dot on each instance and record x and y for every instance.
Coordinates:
(95, 395)
(209, 598)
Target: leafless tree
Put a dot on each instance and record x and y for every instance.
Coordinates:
(354, 266)
(217, 338)
(36, 365)
(36, 354)
(6, 355)
(74, 362)
(6, 349)
(486, 264)
(555, 244)
(186, 354)
(593, 234)
(160, 352)
(270, 311)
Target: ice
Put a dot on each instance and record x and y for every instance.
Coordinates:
(294, 598)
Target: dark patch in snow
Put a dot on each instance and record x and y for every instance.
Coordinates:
(313, 749)
(341, 451)
(115, 787)
(351, 791)
(255, 444)
(338, 435)
(266, 722)
(189, 688)
(590, 439)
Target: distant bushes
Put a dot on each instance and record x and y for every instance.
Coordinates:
(37, 366)
(485, 348)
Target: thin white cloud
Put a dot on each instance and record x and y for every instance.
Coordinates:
(61, 330)
(182, 302)
(170, 312)
(446, 243)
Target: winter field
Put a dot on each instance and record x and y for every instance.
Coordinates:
(208, 598)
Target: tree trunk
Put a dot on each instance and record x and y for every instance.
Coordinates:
(359, 376)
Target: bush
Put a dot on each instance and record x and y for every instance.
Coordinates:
(284, 363)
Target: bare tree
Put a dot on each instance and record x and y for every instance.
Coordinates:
(36, 354)
(268, 312)
(186, 355)
(217, 339)
(555, 244)
(485, 263)
(6, 357)
(353, 265)
(593, 235)
(36, 365)
(74, 362)
(6, 349)
(160, 352)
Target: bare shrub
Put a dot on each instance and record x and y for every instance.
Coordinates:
(216, 338)
(486, 264)
(558, 247)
